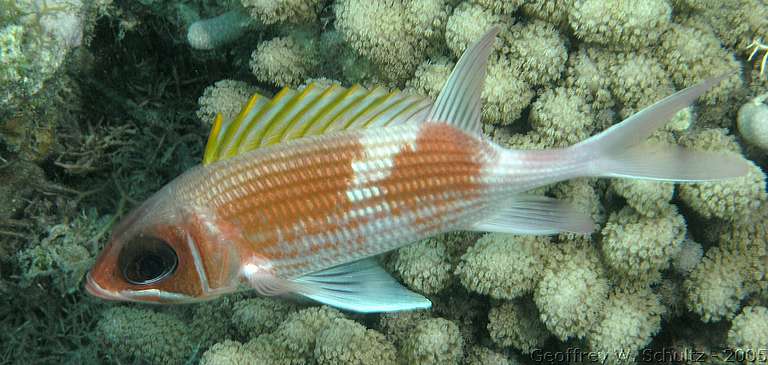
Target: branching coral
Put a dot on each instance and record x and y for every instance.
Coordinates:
(688, 257)
(424, 266)
(587, 75)
(716, 286)
(669, 295)
(321, 336)
(584, 196)
(747, 236)
(211, 321)
(504, 96)
(552, 11)
(516, 323)
(485, 267)
(226, 97)
(394, 34)
(283, 11)
(691, 55)
(62, 256)
(536, 49)
(572, 291)
(294, 340)
(649, 198)
(687, 6)
(628, 321)
(467, 311)
(286, 61)
(749, 334)
(625, 24)
(733, 199)
(345, 341)
(637, 81)
(397, 326)
(155, 337)
(736, 22)
(640, 247)
(430, 77)
(468, 23)
(256, 316)
(561, 117)
(341, 62)
(561, 71)
(479, 355)
(499, 6)
(433, 341)
(633, 80)
(428, 18)
(228, 353)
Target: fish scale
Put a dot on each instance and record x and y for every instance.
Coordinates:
(314, 203)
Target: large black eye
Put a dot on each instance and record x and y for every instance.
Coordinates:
(147, 260)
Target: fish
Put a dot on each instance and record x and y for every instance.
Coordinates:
(297, 195)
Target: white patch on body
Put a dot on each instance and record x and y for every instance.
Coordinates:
(493, 170)
(380, 150)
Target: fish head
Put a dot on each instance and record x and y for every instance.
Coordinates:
(164, 252)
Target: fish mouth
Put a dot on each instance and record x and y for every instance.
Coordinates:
(96, 290)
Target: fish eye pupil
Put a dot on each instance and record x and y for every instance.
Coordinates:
(147, 260)
(149, 266)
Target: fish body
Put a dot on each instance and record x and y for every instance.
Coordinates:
(337, 182)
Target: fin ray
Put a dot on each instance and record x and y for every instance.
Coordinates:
(621, 150)
(673, 163)
(459, 101)
(361, 286)
(641, 125)
(293, 114)
(532, 214)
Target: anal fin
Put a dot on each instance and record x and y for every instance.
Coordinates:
(361, 286)
(537, 215)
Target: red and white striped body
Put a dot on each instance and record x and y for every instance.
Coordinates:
(320, 202)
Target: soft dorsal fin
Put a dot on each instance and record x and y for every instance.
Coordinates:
(293, 114)
(459, 100)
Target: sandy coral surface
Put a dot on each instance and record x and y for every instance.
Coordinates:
(102, 103)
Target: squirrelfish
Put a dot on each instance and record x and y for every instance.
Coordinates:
(298, 194)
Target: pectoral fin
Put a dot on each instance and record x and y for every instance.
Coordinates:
(361, 286)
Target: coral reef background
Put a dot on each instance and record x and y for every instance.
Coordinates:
(102, 102)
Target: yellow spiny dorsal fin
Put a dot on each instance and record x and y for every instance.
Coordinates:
(213, 140)
(311, 111)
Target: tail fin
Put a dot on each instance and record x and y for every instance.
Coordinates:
(619, 151)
